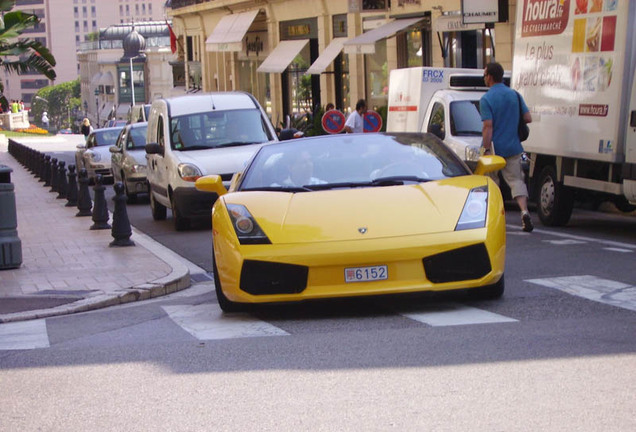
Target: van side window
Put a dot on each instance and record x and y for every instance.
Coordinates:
(436, 123)
(161, 138)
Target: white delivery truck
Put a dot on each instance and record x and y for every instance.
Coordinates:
(574, 64)
(443, 101)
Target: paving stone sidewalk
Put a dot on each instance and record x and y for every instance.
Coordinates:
(66, 267)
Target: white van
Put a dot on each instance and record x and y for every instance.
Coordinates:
(196, 135)
(443, 101)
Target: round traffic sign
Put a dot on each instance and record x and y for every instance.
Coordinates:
(333, 121)
(372, 122)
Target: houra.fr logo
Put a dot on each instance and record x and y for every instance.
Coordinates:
(544, 17)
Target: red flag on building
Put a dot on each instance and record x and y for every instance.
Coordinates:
(173, 39)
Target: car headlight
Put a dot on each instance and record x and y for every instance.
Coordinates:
(245, 226)
(95, 157)
(138, 168)
(475, 209)
(471, 153)
(189, 172)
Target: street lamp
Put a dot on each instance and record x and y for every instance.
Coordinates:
(97, 106)
(132, 79)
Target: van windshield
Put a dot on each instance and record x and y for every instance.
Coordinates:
(216, 129)
(465, 119)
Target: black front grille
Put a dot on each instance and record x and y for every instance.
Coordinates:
(471, 262)
(262, 277)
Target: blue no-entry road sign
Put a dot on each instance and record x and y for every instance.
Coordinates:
(333, 121)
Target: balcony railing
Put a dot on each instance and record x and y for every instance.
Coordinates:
(175, 4)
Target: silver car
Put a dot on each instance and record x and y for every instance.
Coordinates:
(94, 155)
(128, 159)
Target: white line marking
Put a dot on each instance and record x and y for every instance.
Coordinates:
(566, 242)
(24, 335)
(452, 315)
(207, 322)
(515, 228)
(593, 288)
(618, 250)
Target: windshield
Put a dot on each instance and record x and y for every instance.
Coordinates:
(107, 137)
(346, 161)
(215, 129)
(465, 118)
(138, 135)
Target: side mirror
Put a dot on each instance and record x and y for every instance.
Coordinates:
(114, 149)
(488, 164)
(211, 183)
(154, 148)
(81, 146)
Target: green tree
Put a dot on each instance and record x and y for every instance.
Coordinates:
(18, 54)
(60, 101)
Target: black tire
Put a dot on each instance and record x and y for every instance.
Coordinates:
(554, 201)
(159, 211)
(490, 292)
(623, 205)
(225, 304)
(181, 223)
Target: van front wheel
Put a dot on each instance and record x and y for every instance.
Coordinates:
(159, 211)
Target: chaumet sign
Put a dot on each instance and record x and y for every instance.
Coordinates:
(480, 11)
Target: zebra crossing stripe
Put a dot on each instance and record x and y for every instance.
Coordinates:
(593, 288)
(24, 335)
(456, 314)
(207, 322)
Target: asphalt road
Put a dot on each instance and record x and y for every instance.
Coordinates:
(557, 352)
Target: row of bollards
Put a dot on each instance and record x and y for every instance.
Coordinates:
(74, 187)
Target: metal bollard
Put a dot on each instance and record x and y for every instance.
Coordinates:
(100, 209)
(84, 203)
(47, 170)
(71, 190)
(41, 168)
(62, 184)
(10, 243)
(122, 230)
(54, 175)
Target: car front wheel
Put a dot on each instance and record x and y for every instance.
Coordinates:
(159, 211)
(225, 304)
(181, 223)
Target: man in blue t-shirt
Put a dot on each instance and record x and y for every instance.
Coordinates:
(500, 116)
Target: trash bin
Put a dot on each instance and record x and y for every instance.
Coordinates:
(10, 244)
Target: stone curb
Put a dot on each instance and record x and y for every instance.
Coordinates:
(178, 279)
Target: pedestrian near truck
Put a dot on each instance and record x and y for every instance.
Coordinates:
(500, 116)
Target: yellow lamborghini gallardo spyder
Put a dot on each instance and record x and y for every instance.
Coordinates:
(356, 214)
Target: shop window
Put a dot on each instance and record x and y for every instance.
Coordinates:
(468, 49)
(377, 76)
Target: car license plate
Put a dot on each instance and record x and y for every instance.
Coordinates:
(366, 274)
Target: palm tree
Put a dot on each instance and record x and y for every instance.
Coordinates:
(21, 55)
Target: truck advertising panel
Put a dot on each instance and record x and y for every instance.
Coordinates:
(569, 65)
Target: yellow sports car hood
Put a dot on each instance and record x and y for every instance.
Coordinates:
(346, 214)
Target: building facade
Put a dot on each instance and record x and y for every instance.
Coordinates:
(296, 55)
(127, 64)
(65, 25)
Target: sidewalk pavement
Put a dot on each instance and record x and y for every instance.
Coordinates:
(68, 268)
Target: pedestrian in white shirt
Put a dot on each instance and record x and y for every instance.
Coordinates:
(355, 121)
